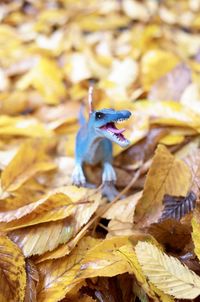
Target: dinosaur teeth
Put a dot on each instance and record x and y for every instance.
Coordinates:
(121, 120)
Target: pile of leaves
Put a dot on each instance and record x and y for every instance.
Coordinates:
(59, 242)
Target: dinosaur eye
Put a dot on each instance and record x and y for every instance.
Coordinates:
(99, 115)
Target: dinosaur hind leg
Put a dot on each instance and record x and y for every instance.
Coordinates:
(78, 177)
(108, 180)
(109, 174)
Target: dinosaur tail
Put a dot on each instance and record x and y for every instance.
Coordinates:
(82, 120)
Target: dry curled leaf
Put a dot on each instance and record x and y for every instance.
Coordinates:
(32, 282)
(178, 206)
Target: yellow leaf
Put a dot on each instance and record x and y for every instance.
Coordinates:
(63, 249)
(167, 175)
(196, 233)
(167, 273)
(29, 160)
(95, 22)
(128, 253)
(167, 113)
(191, 97)
(47, 78)
(28, 127)
(91, 258)
(172, 139)
(156, 63)
(14, 103)
(121, 215)
(103, 259)
(60, 276)
(79, 69)
(48, 17)
(49, 208)
(136, 10)
(123, 211)
(87, 202)
(12, 272)
(121, 76)
(36, 240)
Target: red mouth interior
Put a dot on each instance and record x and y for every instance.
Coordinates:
(112, 128)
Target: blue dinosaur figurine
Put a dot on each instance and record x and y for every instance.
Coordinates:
(94, 142)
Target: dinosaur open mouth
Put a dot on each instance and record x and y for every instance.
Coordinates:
(112, 129)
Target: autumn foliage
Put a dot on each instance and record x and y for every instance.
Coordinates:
(59, 242)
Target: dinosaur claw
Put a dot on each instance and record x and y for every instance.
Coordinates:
(78, 178)
(109, 190)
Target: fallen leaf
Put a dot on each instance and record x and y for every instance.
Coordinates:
(123, 211)
(167, 273)
(60, 276)
(26, 127)
(196, 233)
(136, 10)
(121, 76)
(121, 215)
(45, 77)
(167, 113)
(172, 139)
(178, 206)
(167, 175)
(191, 97)
(32, 282)
(12, 272)
(172, 85)
(29, 160)
(87, 202)
(171, 233)
(49, 208)
(128, 253)
(36, 240)
(192, 159)
(156, 63)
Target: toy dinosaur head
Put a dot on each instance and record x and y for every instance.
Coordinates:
(103, 124)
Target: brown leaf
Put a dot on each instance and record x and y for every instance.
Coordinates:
(12, 272)
(172, 85)
(171, 233)
(178, 206)
(32, 281)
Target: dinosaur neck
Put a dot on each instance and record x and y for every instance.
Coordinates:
(93, 142)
